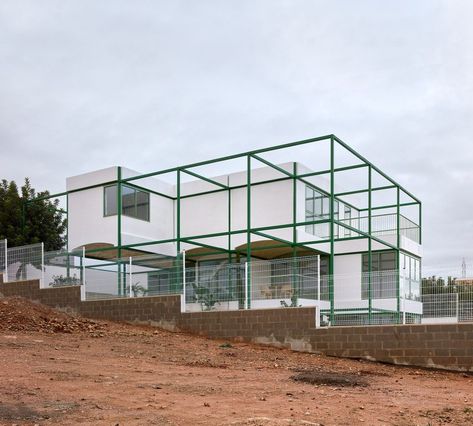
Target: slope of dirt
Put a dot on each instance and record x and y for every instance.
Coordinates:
(19, 314)
(136, 375)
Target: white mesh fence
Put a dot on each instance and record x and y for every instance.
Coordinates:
(25, 263)
(62, 269)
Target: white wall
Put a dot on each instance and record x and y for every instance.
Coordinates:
(86, 222)
(347, 283)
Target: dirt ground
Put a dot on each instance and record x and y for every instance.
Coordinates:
(57, 369)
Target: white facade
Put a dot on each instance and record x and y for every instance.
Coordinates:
(271, 205)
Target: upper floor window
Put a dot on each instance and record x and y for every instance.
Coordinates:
(135, 203)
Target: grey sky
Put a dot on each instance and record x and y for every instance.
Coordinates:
(154, 84)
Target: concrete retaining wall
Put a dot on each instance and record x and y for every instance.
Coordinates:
(446, 346)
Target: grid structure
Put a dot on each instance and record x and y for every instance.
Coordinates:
(371, 221)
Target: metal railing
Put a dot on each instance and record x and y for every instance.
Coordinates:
(382, 225)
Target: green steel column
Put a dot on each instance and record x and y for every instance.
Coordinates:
(370, 260)
(332, 232)
(119, 227)
(295, 286)
(176, 281)
(68, 273)
(420, 223)
(229, 238)
(248, 231)
(398, 245)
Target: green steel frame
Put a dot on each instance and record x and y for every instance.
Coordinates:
(249, 230)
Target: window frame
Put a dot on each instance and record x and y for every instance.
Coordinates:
(135, 190)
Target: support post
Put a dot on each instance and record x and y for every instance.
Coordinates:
(246, 286)
(6, 261)
(82, 287)
(318, 278)
(248, 235)
(119, 230)
(130, 276)
(398, 258)
(370, 254)
(42, 267)
(295, 280)
(332, 233)
(183, 296)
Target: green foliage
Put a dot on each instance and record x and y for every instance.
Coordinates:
(294, 300)
(436, 285)
(60, 281)
(137, 289)
(43, 219)
(204, 296)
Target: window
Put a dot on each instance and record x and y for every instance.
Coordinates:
(410, 277)
(317, 207)
(383, 275)
(347, 220)
(110, 200)
(135, 203)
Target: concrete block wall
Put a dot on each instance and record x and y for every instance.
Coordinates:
(446, 346)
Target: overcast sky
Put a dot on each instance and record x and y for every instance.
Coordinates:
(155, 84)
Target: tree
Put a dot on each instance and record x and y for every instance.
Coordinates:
(43, 219)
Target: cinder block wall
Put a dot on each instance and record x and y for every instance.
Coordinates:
(448, 346)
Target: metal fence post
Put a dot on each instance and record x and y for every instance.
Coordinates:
(83, 294)
(5, 279)
(42, 267)
(130, 276)
(457, 306)
(183, 295)
(246, 285)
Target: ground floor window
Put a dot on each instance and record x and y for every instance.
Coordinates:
(383, 277)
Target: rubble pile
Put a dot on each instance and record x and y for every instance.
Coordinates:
(20, 314)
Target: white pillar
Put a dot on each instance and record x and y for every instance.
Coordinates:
(5, 279)
(246, 285)
(318, 278)
(42, 283)
(82, 287)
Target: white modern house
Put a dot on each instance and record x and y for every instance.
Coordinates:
(252, 230)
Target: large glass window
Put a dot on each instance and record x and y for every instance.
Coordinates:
(317, 207)
(383, 275)
(410, 277)
(135, 203)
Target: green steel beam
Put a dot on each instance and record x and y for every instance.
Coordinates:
(272, 237)
(230, 157)
(391, 206)
(209, 246)
(336, 170)
(274, 166)
(347, 147)
(152, 191)
(360, 191)
(214, 182)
